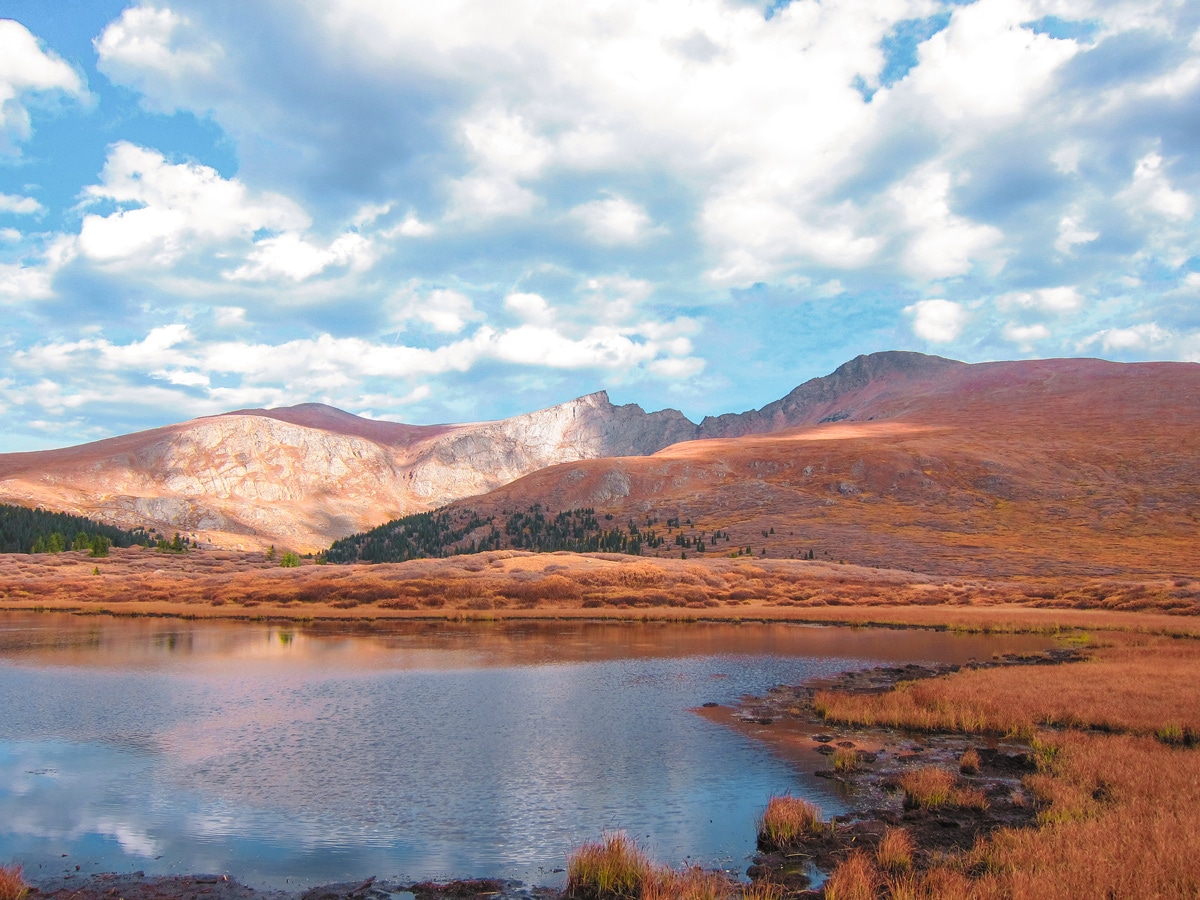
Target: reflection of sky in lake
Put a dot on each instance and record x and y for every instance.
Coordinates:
(307, 763)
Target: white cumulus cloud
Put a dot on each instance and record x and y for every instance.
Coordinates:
(22, 206)
(1026, 335)
(1135, 337)
(614, 220)
(158, 52)
(25, 69)
(168, 209)
(938, 321)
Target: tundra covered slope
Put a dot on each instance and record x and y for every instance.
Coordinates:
(302, 476)
(1038, 467)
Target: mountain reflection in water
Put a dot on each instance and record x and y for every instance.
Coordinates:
(288, 755)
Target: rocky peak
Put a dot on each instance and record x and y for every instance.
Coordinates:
(828, 398)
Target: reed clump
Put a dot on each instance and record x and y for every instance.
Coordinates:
(12, 884)
(613, 868)
(688, 884)
(788, 821)
(895, 851)
(969, 762)
(845, 760)
(855, 878)
(931, 787)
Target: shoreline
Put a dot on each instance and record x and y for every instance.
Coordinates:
(1000, 618)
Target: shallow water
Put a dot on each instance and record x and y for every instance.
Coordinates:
(290, 756)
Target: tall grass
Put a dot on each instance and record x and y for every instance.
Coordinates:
(12, 885)
(786, 822)
(895, 851)
(845, 759)
(928, 787)
(614, 868)
(1118, 814)
(610, 869)
(1120, 688)
(688, 884)
(856, 878)
(969, 762)
(931, 787)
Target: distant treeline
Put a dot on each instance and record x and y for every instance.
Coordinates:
(439, 534)
(37, 531)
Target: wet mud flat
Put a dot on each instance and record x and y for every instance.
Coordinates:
(882, 757)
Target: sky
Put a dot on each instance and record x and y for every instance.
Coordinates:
(457, 211)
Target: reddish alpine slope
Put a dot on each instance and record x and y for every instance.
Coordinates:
(1040, 467)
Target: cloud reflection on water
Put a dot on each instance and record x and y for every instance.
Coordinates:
(426, 752)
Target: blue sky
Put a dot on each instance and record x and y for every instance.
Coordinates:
(467, 210)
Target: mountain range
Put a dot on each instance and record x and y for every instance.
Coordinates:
(897, 459)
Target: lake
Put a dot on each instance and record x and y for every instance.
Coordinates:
(290, 755)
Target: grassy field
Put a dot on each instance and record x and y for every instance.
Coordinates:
(511, 583)
(1117, 789)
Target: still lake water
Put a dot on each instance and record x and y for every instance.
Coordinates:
(289, 756)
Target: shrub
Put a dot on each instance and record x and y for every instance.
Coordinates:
(1171, 733)
(289, 560)
(786, 822)
(611, 868)
(12, 885)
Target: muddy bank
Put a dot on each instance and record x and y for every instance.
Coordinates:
(871, 764)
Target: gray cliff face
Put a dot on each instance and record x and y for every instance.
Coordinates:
(477, 458)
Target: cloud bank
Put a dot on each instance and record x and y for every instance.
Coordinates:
(461, 210)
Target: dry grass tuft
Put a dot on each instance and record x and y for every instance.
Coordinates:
(927, 788)
(856, 878)
(762, 890)
(969, 762)
(12, 885)
(845, 759)
(786, 822)
(895, 851)
(688, 884)
(931, 787)
(613, 868)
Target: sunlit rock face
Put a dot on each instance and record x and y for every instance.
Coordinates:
(302, 476)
